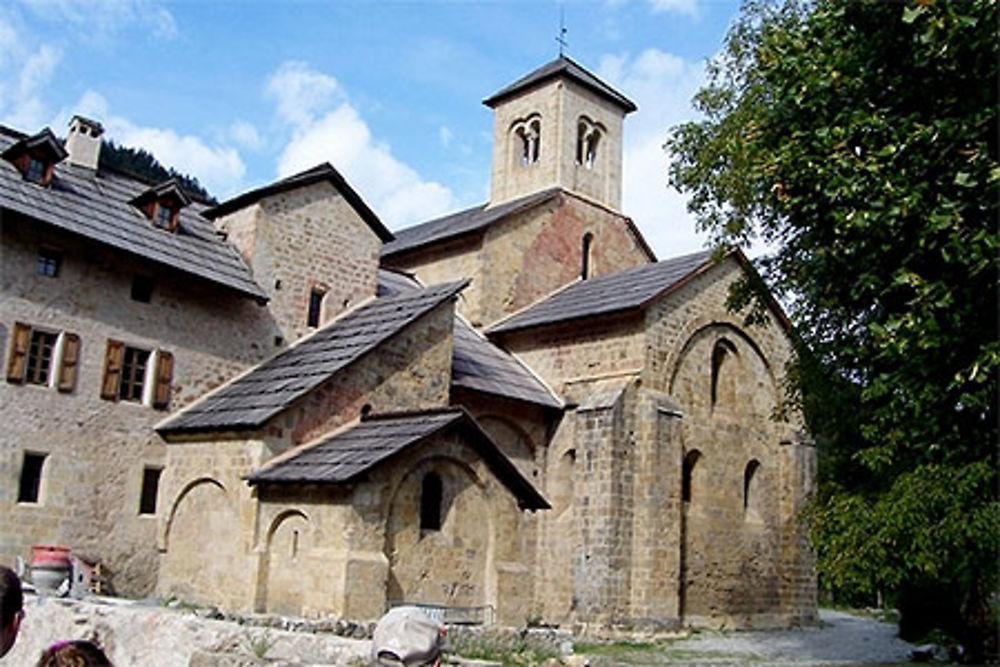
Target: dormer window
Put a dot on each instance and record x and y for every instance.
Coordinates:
(36, 156)
(162, 204)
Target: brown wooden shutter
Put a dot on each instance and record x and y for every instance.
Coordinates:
(164, 375)
(67, 366)
(112, 369)
(21, 339)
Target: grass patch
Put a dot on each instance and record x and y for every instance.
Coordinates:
(513, 649)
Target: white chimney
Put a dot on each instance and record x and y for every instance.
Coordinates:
(83, 143)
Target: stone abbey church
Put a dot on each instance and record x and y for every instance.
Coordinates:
(514, 412)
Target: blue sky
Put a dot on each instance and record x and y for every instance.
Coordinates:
(241, 93)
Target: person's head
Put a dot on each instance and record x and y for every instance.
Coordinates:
(11, 608)
(407, 637)
(75, 653)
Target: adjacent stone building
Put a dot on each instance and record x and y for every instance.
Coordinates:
(512, 413)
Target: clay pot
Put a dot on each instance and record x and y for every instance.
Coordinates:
(50, 566)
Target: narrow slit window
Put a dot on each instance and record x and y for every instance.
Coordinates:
(749, 486)
(316, 296)
(586, 256)
(150, 487)
(430, 502)
(29, 488)
(687, 473)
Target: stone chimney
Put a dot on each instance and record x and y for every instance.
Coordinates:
(83, 143)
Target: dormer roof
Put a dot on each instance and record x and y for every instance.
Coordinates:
(43, 144)
(566, 68)
(319, 173)
(167, 191)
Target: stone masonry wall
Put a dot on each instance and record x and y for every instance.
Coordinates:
(559, 105)
(96, 450)
(307, 237)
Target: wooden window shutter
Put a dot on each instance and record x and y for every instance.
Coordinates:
(67, 366)
(18, 352)
(164, 376)
(112, 369)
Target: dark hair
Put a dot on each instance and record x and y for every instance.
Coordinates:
(11, 598)
(75, 653)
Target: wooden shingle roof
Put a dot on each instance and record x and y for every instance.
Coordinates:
(617, 292)
(344, 455)
(251, 399)
(561, 67)
(96, 206)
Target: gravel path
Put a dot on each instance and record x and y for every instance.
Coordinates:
(150, 636)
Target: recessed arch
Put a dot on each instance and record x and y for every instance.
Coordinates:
(688, 487)
(184, 492)
(691, 337)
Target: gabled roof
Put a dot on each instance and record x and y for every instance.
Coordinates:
(44, 141)
(168, 188)
(319, 173)
(625, 290)
(346, 454)
(477, 363)
(561, 67)
(468, 221)
(95, 205)
(250, 400)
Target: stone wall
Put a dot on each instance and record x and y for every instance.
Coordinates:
(96, 450)
(305, 238)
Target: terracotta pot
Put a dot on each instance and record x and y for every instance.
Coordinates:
(50, 565)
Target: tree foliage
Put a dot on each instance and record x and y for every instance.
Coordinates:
(143, 165)
(860, 140)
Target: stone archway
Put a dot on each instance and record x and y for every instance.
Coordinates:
(446, 565)
(288, 544)
(202, 516)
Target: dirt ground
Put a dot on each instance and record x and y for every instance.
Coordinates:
(155, 636)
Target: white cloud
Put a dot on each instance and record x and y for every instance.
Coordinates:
(325, 127)
(662, 85)
(101, 19)
(686, 7)
(245, 134)
(217, 167)
(23, 76)
(301, 92)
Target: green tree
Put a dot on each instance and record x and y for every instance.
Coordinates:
(142, 164)
(859, 140)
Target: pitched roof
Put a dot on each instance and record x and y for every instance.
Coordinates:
(96, 206)
(612, 293)
(562, 66)
(250, 400)
(477, 363)
(342, 456)
(463, 222)
(319, 173)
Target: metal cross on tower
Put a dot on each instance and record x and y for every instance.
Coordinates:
(562, 31)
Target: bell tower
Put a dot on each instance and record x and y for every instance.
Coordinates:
(558, 126)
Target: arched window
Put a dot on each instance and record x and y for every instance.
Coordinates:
(723, 354)
(430, 502)
(528, 134)
(687, 470)
(586, 256)
(588, 136)
(751, 493)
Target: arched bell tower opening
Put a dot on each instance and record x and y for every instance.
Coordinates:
(559, 126)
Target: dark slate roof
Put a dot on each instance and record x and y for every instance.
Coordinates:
(464, 222)
(477, 363)
(250, 400)
(319, 173)
(342, 456)
(562, 66)
(616, 292)
(480, 365)
(96, 206)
